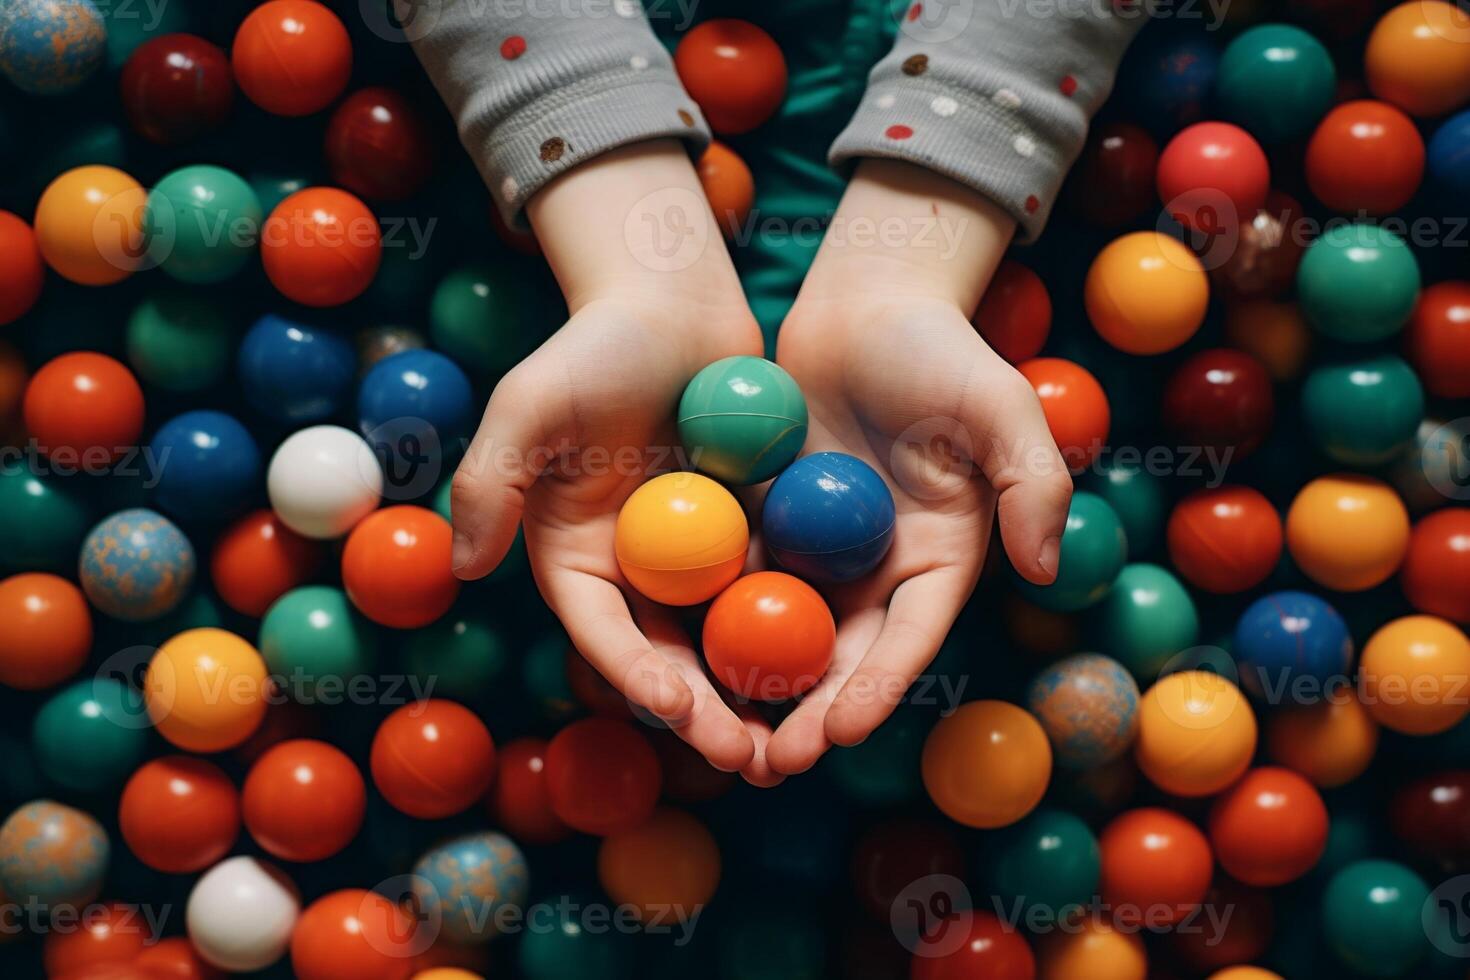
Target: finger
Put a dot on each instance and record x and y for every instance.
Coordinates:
(601, 627)
(919, 617)
(488, 493)
(758, 771)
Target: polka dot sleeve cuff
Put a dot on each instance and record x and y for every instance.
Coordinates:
(995, 95)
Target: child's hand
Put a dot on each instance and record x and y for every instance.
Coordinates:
(893, 373)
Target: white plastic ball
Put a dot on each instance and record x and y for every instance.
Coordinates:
(241, 913)
(323, 480)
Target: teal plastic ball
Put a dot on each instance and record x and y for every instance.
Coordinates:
(477, 317)
(1146, 618)
(203, 224)
(883, 769)
(464, 656)
(1371, 918)
(1094, 548)
(179, 341)
(1277, 81)
(742, 420)
(1358, 283)
(315, 642)
(566, 946)
(1050, 863)
(44, 522)
(1138, 498)
(91, 735)
(1363, 413)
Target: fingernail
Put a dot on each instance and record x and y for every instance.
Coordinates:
(464, 550)
(1051, 550)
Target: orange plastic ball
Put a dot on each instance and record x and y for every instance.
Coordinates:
(1093, 950)
(175, 958)
(112, 932)
(353, 934)
(1418, 58)
(681, 539)
(987, 765)
(1273, 332)
(1331, 741)
(21, 271)
(258, 559)
(396, 567)
(1146, 293)
(1347, 532)
(1075, 405)
(446, 973)
(205, 690)
(734, 70)
(1196, 733)
(1270, 828)
(1413, 675)
(602, 776)
(84, 409)
(45, 630)
(1365, 156)
(1225, 540)
(304, 800)
(1156, 866)
(179, 814)
(1014, 315)
(321, 246)
(769, 637)
(433, 759)
(292, 57)
(89, 225)
(667, 867)
(1436, 571)
(728, 185)
(1244, 973)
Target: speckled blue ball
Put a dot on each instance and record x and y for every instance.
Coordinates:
(1286, 635)
(294, 372)
(136, 565)
(207, 465)
(50, 47)
(1088, 706)
(1449, 158)
(52, 854)
(465, 881)
(829, 518)
(416, 405)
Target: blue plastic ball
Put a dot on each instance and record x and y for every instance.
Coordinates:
(829, 517)
(208, 466)
(466, 881)
(136, 565)
(50, 47)
(1288, 635)
(1449, 158)
(1168, 78)
(414, 408)
(294, 372)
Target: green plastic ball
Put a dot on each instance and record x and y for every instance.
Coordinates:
(130, 25)
(782, 942)
(1364, 413)
(316, 642)
(273, 188)
(44, 523)
(1358, 283)
(883, 769)
(1145, 618)
(544, 674)
(1094, 548)
(179, 342)
(1277, 81)
(91, 735)
(1371, 917)
(1049, 862)
(564, 946)
(463, 655)
(1138, 498)
(742, 420)
(203, 224)
(476, 317)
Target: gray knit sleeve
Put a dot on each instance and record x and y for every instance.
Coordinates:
(537, 89)
(995, 94)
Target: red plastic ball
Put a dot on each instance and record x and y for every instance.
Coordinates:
(1222, 400)
(992, 950)
(353, 934)
(519, 801)
(1075, 405)
(292, 57)
(1270, 828)
(433, 759)
(1435, 574)
(1262, 261)
(321, 246)
(735, 71)
(110, 932)
(84, 409)
(1155, 863)
(895, 854)
(396, 567)
(1113, 182)
(1213, 176)
(45, 630)
(176, 87)
(179, 814)
(258, 559)
(304, 800)
(1014, 316)
(174, 958)
(1226, 539)
(1432, 816)
(1365, 156)
(602, 776)
(1439, 339)
(22, 272)
(1243, 938)
(769, 637)
(378, 146)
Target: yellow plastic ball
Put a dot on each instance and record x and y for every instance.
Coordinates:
(1091, 950)
(1414, 676)
(446, 973)
(987, 765)
(681, 538)
(1331, 741)
(1244, 973)
(1196, 733)
(1146, 293)
(1273, 332)
(1418, 58)
(205, 690)
(89, 225)
(1347, 532)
